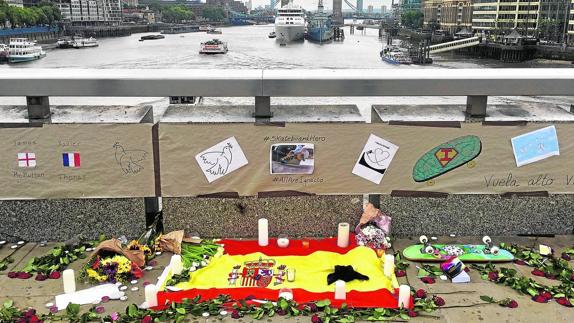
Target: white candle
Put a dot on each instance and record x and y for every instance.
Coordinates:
(343, 235)
(340, 292)
(389, 265)
(283, 242)
(69, 281)
(286, 293)
(263, 232)
(404, 296)
(176, 264)
(151, 295)
(290, 275)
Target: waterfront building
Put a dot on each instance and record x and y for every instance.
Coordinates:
(359, 5)
(91, 12)
(451, 16)
(337, 12)
(544, 19)
(138, 15)
(370, 10)
(410, 4)
(383, 10)
(15, 3)
(570, 32)
(233, 5)
(131, 3)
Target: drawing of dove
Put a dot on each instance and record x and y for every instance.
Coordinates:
(219, 160)
(129, 160)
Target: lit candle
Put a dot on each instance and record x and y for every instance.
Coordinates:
(290, 275)
(176, 264)
(151, 295)
(343, 235)
(69, 281)
(389, 265)
(340, 292)
(404, 296)
(283, 242)
(263, 232)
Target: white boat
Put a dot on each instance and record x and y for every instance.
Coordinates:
(394, 55)
(205, 28)
(214, 46)
(24, 50)
(84, 42)
(214, 31)
(290, 23)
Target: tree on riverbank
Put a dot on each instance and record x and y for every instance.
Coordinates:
(412, 19)
(44, 13)
(214, 13)
(177, 14)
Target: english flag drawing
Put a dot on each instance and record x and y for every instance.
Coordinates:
(27, 160)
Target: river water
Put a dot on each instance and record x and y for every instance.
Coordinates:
(250, 48)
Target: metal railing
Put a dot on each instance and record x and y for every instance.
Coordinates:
(477, 84)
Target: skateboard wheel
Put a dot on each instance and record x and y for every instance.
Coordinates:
(429, 250)
(486, 240)
(423, 239)
(494, 250)
(471, 164)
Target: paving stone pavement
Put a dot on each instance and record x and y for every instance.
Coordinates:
(461, 299)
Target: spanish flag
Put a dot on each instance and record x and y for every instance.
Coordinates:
(262, 275)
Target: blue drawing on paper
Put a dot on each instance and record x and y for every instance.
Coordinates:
(536, 145)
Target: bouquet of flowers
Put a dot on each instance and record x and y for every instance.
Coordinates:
(112, 269)
(373, 229)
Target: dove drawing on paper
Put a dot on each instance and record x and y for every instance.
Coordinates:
(130, 161)
(375, 159)
(221, 159)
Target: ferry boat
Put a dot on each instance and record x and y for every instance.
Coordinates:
(84, 42)
(393, 55)
(319, 27)
(214, 46)
(290, 23)
(65, 42)
(24, 50)
(205, 28)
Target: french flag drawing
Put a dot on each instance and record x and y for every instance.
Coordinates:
(71, 159)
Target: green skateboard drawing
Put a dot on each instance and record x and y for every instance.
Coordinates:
(427, 252)
(446, 157)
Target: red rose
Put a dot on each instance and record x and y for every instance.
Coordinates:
(41, 277)
(281, 312)
(428, 280)
(546, 295)
(136, 271)
(412, 313)
(538, 272)
(493, 276)
(550, 276)
(421, 293)
(439, 301)
(55, 275)
(13, 274)
(564, 301)
(316, 319)
(540, 299)
(96, 263)
(466, 269)
(147, 319)
(400, 273)
(235, 314)
(566, 256)
(23, 275)
(520, 262)
(512, 304)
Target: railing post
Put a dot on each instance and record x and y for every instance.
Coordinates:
(262, 108)
(152, 205)
(476, 105)
(38, 109)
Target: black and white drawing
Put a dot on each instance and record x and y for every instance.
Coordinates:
(221, 159)
(375, 159)
(130, 160)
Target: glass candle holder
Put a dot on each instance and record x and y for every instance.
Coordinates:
(282, 241)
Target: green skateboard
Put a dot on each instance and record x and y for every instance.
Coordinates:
(427, 252)
(446, 157)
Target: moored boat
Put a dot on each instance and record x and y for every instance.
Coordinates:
(23, 50)
(290, 23)
(205, 28)
(319, 27)
(215, 31)
(272, 35)
(214, 46)
(180, 30)
(84, 42)
(393, 55)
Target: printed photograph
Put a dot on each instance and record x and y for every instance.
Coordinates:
(292, 158)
